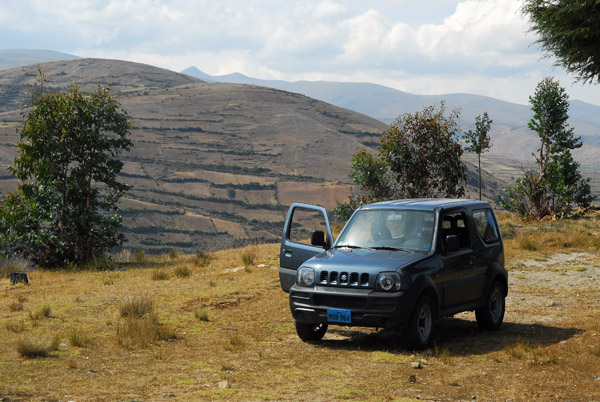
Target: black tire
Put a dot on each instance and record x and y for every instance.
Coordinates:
(419, 332)
(491, 315)
(311, 332)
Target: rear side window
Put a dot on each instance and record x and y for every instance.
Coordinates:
(486, 225)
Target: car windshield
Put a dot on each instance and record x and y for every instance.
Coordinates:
(389, 230)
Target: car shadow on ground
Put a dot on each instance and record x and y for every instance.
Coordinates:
(460, 337)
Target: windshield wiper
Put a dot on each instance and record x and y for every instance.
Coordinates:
(348, 246)
(391, 248)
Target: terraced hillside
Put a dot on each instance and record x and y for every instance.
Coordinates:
(213, 164)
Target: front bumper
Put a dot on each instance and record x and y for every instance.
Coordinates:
(368, 308)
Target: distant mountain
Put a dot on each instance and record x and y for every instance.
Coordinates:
(510, 135)
(11, 58)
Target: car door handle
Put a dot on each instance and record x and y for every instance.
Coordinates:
(287, 252)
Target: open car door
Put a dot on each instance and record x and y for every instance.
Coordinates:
(306, 233)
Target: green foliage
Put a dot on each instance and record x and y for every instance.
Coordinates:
(478, 141)
(569, 30)
(65, 209)
(557, 186)
(419, 156)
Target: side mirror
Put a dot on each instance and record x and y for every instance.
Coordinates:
(318, 238)
(452, 243)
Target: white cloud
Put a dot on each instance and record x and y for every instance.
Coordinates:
(427, 46)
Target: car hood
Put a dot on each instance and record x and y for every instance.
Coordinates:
(363, 260)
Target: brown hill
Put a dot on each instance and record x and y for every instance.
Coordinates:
(213, 164)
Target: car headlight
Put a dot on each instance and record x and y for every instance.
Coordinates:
(389, 282)
(305, 276)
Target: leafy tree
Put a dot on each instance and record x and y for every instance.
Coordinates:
(419, 156)
(65, 209)
(557, 185)
(571, 31)
(479, 140)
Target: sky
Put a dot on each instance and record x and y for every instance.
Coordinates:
(425, 47)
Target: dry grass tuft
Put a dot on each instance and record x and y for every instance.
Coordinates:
(235, 343)
(45, 311)
(183, 271)
(160, 275)
(136, 307)
(31, 348)
(201, 314)
(9, 265)
(173, 254)
(249, 255)
(15, 306)
(202, 259)
(79, 339)
(15, 326)
(143, 332)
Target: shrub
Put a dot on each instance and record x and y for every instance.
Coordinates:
(136, 307)
(139, 256)
(173, 254)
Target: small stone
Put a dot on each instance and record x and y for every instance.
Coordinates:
(63, 345)
(223, 384)
(423, 362)
(412, 379)
(415, 365)
(597, 378)
(552, 304)
(168, 395)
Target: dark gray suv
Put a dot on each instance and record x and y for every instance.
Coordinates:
(398, 265)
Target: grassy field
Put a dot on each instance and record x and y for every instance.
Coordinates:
(217, 327)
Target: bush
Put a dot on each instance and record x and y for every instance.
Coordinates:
(202, 259)
(139, 256)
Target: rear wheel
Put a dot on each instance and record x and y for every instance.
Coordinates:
(311, 332)
(419, 332)
(490, 316)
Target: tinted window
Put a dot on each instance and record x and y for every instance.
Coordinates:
(455, 223)
(486, 225)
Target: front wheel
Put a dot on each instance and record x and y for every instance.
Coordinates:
(490, 316)
(419, 332)
(311, 332)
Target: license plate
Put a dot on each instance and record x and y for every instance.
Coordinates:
(335, 315)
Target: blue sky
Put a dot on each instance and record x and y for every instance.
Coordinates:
(423, 47)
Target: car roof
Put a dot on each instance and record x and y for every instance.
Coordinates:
(426, 204)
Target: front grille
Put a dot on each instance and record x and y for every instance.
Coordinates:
(335, 278)
(339, 301)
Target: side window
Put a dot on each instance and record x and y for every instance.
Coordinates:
(455, 223)
(304, 223)
(486, 225)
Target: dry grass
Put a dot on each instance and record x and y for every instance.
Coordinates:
(160, 275)
(8, 265)
(33, 348)
(79, 339)
(235, 326)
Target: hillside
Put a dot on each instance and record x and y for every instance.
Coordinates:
(510, 136)
(213, 164)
